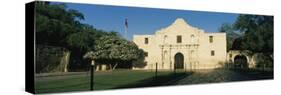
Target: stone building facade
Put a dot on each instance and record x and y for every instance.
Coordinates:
(181, 46)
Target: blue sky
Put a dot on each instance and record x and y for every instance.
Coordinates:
(147, 20)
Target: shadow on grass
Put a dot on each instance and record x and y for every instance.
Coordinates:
(254, 74)
(83, 86)
(163, 80)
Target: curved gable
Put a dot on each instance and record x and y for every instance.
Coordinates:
(179, 27)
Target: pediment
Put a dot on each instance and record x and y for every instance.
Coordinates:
(179, 26)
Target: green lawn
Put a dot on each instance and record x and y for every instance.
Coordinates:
(105, 80)
(65, 82)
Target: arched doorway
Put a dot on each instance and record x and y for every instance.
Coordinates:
(179, 60)
(240, 61)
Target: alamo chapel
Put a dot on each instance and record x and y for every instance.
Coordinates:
(181, 46)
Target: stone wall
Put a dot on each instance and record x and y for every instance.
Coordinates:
(51, 59)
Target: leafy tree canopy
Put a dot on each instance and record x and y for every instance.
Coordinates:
(257, 32)
(54, 22)
(231, 34)
(115, 48)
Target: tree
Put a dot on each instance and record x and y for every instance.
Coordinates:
(83, 42)
(231, 34)
(237, 44)
(257, 32)
(226, 27)
(58, 26)
(113, 50)
(257, 36)
(54, 23)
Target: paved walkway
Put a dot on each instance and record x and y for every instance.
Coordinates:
(215, 76)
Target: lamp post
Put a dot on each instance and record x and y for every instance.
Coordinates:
(92, 74)
(156, 71)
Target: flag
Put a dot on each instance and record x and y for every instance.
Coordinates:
(126, 23)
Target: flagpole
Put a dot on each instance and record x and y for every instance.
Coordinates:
(126, 28)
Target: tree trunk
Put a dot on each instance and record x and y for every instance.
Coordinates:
(65, 60)
(115, 66)
(110, 66)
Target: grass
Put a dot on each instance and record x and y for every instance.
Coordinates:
(66, 82)
(76, 83)
(105, 80)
